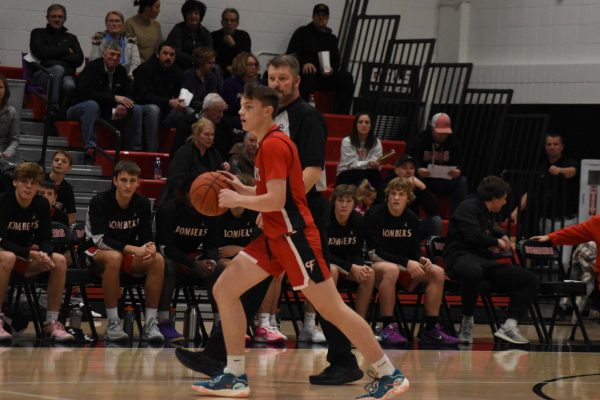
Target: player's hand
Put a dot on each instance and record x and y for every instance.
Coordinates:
(259, 221)
(234, 181)
(226, 166)
(426, 264)
(360, 273)
(542, 238)
(454, 173)
(554, 170)
(204, 268)
(229, 198)
(415, 269)
(309, 68)
(424, 172)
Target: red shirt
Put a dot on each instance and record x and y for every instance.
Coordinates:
(580, 233)
(277, 158)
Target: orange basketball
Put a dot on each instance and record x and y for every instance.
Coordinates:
(204, 193)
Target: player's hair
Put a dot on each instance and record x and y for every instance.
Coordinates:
(343, 190)
(492, 187)
(64, 153)
(286, 60)
(264, 94)
(4, 100)
(201, 55)
(127, 166)
(193, 5)
(238, 65)
(56, 6)
(401, 185)
(371, 139)
(114, 12)
(28, 170)
(48, 184)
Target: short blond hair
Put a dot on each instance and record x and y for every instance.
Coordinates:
(401, 185)
(115, 12)
(199, 126)
(28, 170)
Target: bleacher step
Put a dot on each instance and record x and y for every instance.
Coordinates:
(34, 154)
(32, 128)
(37, 140)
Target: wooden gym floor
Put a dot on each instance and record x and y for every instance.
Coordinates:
(34, 369)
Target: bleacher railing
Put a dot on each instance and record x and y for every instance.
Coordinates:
(352, 8)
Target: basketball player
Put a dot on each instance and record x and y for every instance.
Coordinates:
(26, 245)
(118, 228)
(290, 243)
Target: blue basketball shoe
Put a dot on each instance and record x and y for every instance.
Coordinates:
(388, 387)
(224, 385)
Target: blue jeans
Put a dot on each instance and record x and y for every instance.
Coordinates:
(153, 120)
(62, 85)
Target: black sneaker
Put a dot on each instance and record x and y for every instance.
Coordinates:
(89, 157)
(337, 375)
(199, 361)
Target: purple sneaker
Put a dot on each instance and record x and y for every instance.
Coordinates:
(390, 334)
(169, 331)
(438, 336)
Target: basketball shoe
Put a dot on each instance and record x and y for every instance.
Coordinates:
(114, 331)
(268, 334)
(438, 336)
(312, 334)
(56, 331)
(510, 335)
(388, 387)
(466, 330)
(169, 332)
(151, 333)
(224, 385)
(390, 334)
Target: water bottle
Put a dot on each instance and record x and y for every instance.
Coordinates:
(311, 101)
(190, 323)
(75, 316)
(157, 170)
(128, 320)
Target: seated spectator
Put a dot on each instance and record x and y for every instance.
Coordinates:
(244, 69)
(471, 256)
(157, 84)
(119, 234)
(27, 245)
(189, 34)
(48, 190)
(306, 44)
(360, 154)
(229, 41)
(194, 158)
(58, 51)
(365, 197)
(346, 239)
(9, 123)
(431, 225)
(243, 155)
(394, 249)
(130, 54)
(437, 146)
(180, 232)
(65, 196)
(103, 91)
(200, 80)
(145, 28)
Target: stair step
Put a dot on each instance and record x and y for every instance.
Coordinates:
(32, 128)
(26, 113)
(34, 154)
(37, 140)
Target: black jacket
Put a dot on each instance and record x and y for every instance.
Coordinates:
(425, 151)
(186, 40)
(307, 41)
(225, 53)
(51, 47)
(155, 85)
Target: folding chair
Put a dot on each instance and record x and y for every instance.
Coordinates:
(435, 247)
(545, 260)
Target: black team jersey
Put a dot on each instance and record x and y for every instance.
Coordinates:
(181, 231)
(57, 215)
(65, 197)
(237, 231)
(395, 239)
(22, 227)
(346, 242)
(108, 226)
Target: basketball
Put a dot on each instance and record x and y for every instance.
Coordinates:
(204, 193)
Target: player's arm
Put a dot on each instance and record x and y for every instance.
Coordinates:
(273, 200)
(310, 176)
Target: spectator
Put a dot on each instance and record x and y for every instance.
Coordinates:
(437, 146)
(394, 249)
(157, 84)
(244, 69)
(346, 239)
(103, 91)
(27, 245)
(130, 54)
(200, 80)
(189, 34)
(243, 155)
(58, 51)
(48, 190)
(9, 123)
(229, 41)
(365, 197)
(119, 234)
(308, 44)
(431, 225)
(145, 28)
(472, 256)
(65, 196)
(360, 154)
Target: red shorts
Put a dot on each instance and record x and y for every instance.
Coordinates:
(126, 265)
(299, 255)
(405, 280)
(21, 265)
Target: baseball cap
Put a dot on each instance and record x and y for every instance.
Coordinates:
(321, 8)
(440, 123)
(404, 158)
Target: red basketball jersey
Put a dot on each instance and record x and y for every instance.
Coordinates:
(277, 158)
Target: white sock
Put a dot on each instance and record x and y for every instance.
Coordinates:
(263, 320)
(151, 313)
(236, 365)
(51, 316)
(510, 323)
(309, 320)
(162, 315)
(466, 319)
(273, 320)
(112, 313)
(383, 367)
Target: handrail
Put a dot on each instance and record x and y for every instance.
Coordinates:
(117, 134)
(50, 114)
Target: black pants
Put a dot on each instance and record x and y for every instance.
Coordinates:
(457, 188)
(471, 270)
(339, 348)
(340, 82)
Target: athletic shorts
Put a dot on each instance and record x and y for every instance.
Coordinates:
(298, 254)
(22, 265)
(126, 265)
